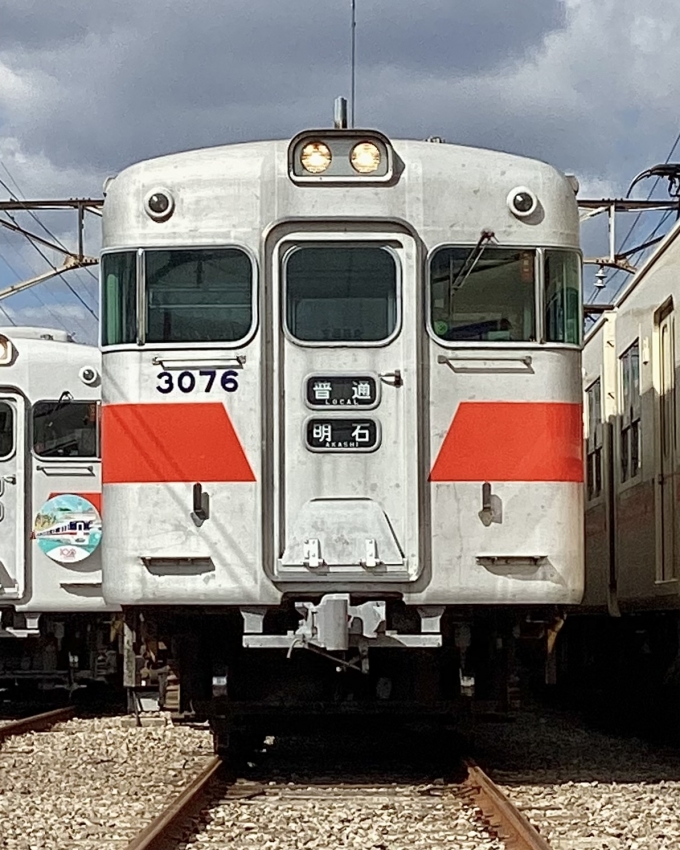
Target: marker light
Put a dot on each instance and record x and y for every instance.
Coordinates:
(365, 157)
(315, 157)
(6, 351)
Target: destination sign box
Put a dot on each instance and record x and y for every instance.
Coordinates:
(349, 435)
(342, 391)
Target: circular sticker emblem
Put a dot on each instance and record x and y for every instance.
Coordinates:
(68, 528)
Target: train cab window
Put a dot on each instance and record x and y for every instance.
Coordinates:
(119, 296)
(66, 428)
(6, 430)
(198, 295)
(594, 439)
(630, 414)
(486, 296)
(563, 297)
(341, 293)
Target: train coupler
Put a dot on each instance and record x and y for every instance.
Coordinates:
(334, 624)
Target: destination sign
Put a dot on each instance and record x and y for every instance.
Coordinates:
(342, 435)
(342, 391)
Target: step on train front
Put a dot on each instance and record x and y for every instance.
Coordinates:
(342, 422)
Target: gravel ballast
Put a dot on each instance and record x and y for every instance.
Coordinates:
(91, 783)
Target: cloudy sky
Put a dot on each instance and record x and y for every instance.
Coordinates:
(89, 86)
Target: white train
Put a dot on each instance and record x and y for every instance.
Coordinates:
(55, 627)
(342, 419)
(632, 516)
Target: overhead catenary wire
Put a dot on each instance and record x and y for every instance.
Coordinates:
(637, 251)
(15, 197)
(60, 322)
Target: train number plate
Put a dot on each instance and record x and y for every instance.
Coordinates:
(342, 435)
(342, 391)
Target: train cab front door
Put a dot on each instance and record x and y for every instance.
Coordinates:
(348, 446)
(12, 492)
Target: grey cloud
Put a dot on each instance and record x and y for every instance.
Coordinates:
(131, 80)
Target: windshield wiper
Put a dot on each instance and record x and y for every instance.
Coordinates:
(471, 261)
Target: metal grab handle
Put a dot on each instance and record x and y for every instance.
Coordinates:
(487, 363)
(238, 360)
(64, 469)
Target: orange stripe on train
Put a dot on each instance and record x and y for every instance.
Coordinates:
(512, 441)
(163, 443)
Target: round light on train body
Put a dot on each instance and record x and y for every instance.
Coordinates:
(522, 202)
(316, 157)
(365, 157)
(159, 204)
(5, 350)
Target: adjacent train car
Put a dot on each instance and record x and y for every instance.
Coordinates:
(342, 419)
(629, 634)
(55, 630)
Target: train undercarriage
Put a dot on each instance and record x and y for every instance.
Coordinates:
(262, 672)
(59, 657)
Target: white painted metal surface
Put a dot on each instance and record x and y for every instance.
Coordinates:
(45, 366)
(313, 521)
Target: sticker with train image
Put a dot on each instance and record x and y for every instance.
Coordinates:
(68, 528)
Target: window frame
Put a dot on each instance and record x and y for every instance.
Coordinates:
(288, 247)
(581, 333)
(71, 458)
(594, 445)
(629, 423)
(13, 450)
(539, 295)
(142, 303)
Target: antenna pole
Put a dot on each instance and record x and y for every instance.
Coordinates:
(354, 60)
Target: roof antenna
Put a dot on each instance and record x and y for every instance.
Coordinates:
(340, 116)
(354, 61)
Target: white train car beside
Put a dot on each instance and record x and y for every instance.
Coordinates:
(55, 631)
(628, 640)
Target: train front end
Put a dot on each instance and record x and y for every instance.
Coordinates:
(341, 381)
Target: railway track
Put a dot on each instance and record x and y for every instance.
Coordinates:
(213, 811)
(36, 722)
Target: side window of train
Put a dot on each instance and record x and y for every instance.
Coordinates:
(594, 440)
(341, 293)
(66, 428)
(119, 297)
(198, 295)
(486, 296)
(563, 297)
(630, 413)
(6, 430)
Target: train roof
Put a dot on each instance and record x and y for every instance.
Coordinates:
(461, 189)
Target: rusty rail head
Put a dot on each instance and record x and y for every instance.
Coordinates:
(36, 723)
(500, 813)
(160, 833)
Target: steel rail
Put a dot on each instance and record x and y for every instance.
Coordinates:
(36, 723)
(160, 834)
(500, 813)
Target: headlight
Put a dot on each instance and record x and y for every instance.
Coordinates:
(315, 157)
(365, 157)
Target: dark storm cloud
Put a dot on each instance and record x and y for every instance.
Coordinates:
(127, 80)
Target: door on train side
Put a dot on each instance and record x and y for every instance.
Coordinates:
(666, 443)
(12, 495)
(347, 330)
